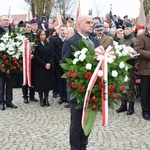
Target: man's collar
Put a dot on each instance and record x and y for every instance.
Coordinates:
(84, 37)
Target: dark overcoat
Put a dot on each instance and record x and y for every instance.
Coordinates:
(43, 80)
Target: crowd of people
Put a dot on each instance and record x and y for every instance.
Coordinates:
(53, 45)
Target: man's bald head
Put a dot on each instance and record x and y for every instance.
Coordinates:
(82, 18)
(84, 24)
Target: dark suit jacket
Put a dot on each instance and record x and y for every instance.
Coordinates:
(67, 50)
(57, 44)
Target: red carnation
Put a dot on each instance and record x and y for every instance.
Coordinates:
(73, 85)
(4, 57)
(6, 62)
(81, 88)
(73, 74)
(8, 72)
(122, 88)
(115, 96)
(88, 75)
(112, 87)
(2, 66)
(101, 85)
(14, 59)
(20, 62)
(69, 73)
(93, 100)
(14, 67)
(94, 108)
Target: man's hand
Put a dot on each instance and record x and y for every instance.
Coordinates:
(48, 66)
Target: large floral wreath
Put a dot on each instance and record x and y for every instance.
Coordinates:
(11, 52)
(80, 70)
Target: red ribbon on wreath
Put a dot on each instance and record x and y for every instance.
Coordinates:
(27, 62)
(103, 57)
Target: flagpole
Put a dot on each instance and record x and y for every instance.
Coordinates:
(9, 11)
(110, 7)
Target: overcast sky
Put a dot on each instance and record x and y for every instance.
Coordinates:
(119, 7)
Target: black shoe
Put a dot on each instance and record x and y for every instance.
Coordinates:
(60, 101)
(123, 107)
(10, 104)
(146, 116)
(131, 108)
(25, 101)
(2, 107)
(33, 99)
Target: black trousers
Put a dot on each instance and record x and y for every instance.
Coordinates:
(78, 141)
(61, 83)
(6, 89)
(55, 89)
(145, 93)
(26, 89)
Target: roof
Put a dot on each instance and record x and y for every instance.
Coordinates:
(19, 17)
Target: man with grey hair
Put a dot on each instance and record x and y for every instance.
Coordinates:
(6, 84)
(84, 24)
(142, 46)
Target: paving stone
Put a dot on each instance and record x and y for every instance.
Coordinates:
(31, 127)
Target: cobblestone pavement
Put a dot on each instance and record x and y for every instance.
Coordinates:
(31, 127)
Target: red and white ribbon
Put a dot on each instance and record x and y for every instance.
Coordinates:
(103, 57)
(29, 63)
(26, 62)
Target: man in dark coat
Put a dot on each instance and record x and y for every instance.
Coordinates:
(142, 46)
(57, 42)
(78, 140)
(6, 84)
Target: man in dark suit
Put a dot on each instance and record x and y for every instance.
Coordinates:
(58, 41)
(6, 84)
(78, 141)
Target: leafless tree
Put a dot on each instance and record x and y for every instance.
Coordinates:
(41, 7)
(67, 7)
(98, 6)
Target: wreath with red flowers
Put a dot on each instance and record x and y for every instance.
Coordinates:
(79, 72)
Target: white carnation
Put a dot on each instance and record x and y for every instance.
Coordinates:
(100, 73)
(114, 73)
(88, 66)
(126, 79)
(77, 53)
(82, 57)
(126, 68)
(2, 46)
(121, 65)
(110, 60)
(84, 50)
(75, 61)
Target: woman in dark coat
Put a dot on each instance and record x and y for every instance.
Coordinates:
(43, 67)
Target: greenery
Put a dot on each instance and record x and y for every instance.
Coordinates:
(11, 52)
(80, 70)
